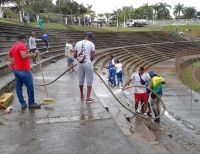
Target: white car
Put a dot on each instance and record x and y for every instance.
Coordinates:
(136, 23)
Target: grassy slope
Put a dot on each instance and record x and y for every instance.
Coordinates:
(195, 28)
(187, 77)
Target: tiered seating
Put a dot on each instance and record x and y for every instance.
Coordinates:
(143, 55)
(132, 49)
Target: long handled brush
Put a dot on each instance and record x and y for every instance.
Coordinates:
(7, 109)
(47, 99)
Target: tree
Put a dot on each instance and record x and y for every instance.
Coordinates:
(145, 12)
(178, 9)
(38, 6)
(155, 10)
(69, 7)
(189, 12)
(2, 2)
(107, 15)
(21, 6)
(163, 11)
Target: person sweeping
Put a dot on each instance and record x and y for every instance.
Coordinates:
(20, 59)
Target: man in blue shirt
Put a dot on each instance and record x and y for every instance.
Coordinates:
(45, 39)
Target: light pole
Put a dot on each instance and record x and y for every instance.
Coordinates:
(79, 22)
(124, 20)
(117, 20)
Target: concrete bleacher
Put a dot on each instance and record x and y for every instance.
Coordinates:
(132, 49)
(145, 55)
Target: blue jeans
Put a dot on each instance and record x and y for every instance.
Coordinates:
(24, 77)
(111, 76)
(119, 77)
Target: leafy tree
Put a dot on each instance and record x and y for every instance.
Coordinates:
(69, 7)
(163, 11)
(155, 9)
(189, 12)
(2, 2)
(21, 7)
(107, 15)
(178, 9)
(145, 11)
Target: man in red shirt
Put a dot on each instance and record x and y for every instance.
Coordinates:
(20, 60)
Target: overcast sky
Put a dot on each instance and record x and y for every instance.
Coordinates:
(102, 6)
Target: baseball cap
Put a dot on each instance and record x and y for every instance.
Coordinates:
(21, 36)
(151, 73)
(89, 35)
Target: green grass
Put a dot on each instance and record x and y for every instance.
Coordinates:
(188, 79)
(111, 29)
(34, 24)
(169, 28)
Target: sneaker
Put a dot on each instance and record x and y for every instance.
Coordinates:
(149, 114)
(35, 106)
(90, 100)
(138, 111)
(157, 120)
(24, 107)
(145, 115)
(82, 98)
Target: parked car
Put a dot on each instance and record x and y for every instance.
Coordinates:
(136, 23)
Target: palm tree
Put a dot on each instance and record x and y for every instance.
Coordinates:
(163, 12)
(155, 10)
(178, 9)
(146, 11)
(189, 12)
(89, 10)
(125, 12)
(107, 15)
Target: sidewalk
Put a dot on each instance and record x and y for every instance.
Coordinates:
(179, 100)
(66, 126)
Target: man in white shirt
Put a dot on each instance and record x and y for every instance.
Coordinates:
(139, 79)
(85, 67)
(32, 45)
(70, 54)
(119, 74)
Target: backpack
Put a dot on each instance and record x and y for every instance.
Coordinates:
(81, 56)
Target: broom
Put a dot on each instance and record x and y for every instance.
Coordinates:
(7, 109)
(47, 99)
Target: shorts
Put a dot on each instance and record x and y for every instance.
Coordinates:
(70, 60)
(141, 97)
(85, 70)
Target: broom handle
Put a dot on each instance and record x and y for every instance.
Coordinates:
(41, 69)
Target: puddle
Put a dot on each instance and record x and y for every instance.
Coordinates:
(57, 120)
(183, 124)
(48, 78)
(49, 108)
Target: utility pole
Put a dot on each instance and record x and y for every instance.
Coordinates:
(117, 20)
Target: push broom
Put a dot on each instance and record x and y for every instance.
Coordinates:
(47, 99)
(9, 108)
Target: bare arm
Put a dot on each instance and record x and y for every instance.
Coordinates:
(127, 83)
(92, 55)
(10, 59)
(24, 55)
(75, 53)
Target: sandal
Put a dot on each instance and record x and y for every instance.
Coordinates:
(82, 98)
(90, 100)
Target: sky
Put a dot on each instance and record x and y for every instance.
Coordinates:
(102, 6)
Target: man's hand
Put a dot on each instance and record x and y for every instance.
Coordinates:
(123, 88)
(36, 54)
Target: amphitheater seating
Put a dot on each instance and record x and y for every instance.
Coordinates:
(132, 49)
